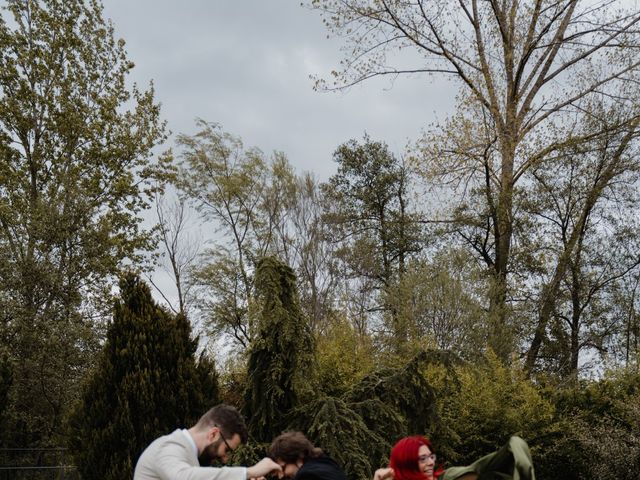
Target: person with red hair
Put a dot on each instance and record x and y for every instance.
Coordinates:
(412, 458)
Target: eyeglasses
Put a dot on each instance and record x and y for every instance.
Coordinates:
(424, 458)
(229, 449)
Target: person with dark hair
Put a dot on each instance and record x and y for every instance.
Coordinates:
(413, 458)
(299, 459)
(179, 455)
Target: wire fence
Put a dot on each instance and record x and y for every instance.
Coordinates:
(36, 464)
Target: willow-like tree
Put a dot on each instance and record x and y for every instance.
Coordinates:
(359, 428)
(75, 169)
(147, 384)
(280, 358)
(260, 207)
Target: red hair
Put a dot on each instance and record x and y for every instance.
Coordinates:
(404, 459)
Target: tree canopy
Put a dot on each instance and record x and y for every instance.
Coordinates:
(76, 167)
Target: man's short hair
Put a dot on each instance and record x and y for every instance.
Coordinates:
(227, 419)
(291, 446)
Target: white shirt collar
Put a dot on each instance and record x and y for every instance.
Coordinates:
(191, 440)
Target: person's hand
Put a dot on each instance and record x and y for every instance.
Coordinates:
(383, 474)
(264, 467)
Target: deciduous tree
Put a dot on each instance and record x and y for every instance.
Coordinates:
(258, 206)
(370, 218)
(586, 207)
(440, 304)
(524, 66)
(580, 199)
(75, 173)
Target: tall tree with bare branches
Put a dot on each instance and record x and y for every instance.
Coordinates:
(523, 67)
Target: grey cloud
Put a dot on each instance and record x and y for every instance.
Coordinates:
(246, 64)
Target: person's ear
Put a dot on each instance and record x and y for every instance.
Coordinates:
(213, 433)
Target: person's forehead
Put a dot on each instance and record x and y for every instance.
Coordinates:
(424, 450)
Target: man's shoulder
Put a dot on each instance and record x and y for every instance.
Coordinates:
(165, 441)
(147, 462)
(178, 435)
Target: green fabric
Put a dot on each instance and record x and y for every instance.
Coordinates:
(512, 461)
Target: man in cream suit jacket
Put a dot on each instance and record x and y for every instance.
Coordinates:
(177, 456)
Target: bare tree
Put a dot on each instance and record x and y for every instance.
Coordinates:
(181, 250)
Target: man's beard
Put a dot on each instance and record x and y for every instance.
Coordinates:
(210, 453)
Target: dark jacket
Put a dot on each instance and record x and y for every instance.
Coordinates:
(320, 468)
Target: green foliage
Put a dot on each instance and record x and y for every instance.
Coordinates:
(333, 425)
(600, 448)
(585, 204)
(598, 434)
(359, 427)
(594, 399)
(438, 305)
(442, 375)
(76, 171)
(343, 357)
(146, 384)
(368, 202)
(248, 453)
(208, 380)
(280, 357)
(6, 379)
(493, 402)
(369, 216)
(404, 389)
(260, 207)
(233, 381)
(225, 181)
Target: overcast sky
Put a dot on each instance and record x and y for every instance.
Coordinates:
(245, 64)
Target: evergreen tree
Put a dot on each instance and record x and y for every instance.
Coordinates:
(336, 426)
(147, 383)
(359, 428)
(280, 357)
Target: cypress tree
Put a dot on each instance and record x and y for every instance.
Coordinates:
(147, 383)
(281, 354)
